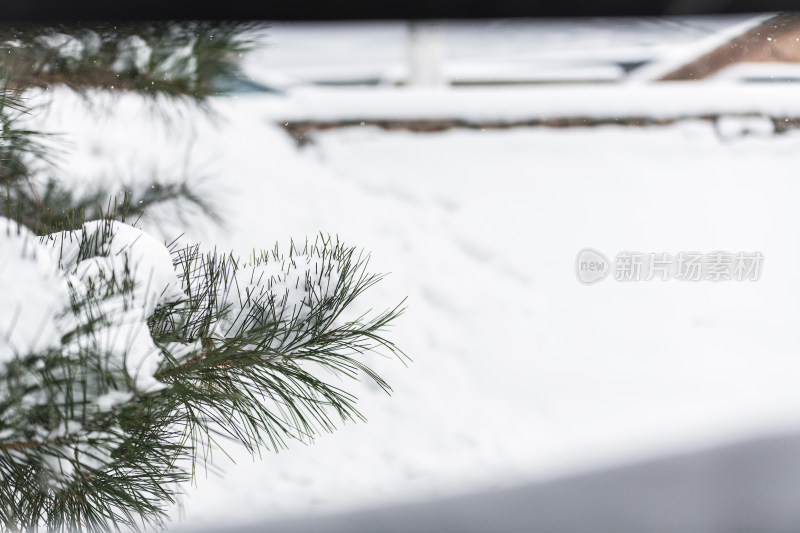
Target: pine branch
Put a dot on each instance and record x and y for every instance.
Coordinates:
(158, 60)
(242, 345)
(168, 59)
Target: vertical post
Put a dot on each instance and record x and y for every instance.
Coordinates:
(425, 54)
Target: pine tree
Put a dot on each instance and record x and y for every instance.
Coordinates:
(123, 360)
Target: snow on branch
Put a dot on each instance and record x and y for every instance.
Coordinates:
(121, 360)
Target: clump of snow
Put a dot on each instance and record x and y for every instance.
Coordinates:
(182, 61)
(33, 293)
(106, 256)
(67, 46)
(107, 401)
(128, 250)
(128, 339)
(133, 53)
(91, 41)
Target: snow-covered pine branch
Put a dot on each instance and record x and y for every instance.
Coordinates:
(121, 360)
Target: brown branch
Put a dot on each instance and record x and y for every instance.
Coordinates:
(30, 445)
(186, 364)
(209, 345)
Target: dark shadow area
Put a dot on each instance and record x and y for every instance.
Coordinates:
(91, 10)
(752, 486)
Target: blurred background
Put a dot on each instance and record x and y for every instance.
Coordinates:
(474, 159)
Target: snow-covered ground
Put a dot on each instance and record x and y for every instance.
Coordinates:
(519, 371)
